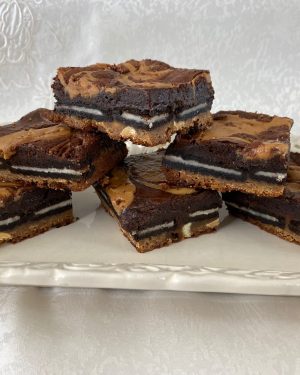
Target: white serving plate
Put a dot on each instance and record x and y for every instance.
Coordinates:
(238, 258)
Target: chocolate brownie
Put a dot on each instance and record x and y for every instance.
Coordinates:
(28, 211)
(152, 213)
(143, 101)
(36, 149)
(277, 215)
(241, 151)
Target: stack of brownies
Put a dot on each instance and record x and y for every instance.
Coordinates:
(161, 197)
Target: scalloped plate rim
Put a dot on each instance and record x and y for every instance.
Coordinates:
(150, 277)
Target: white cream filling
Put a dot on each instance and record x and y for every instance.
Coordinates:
(186, 230)
(253, 212)
(54, 207)
(194, 163)
(70, 172)
(77, 108)
(10, 220)
(14, 219)
(206, 212)
(146, 121)
(277, 176)
(149, 121)
(192, 109)
(154, 229)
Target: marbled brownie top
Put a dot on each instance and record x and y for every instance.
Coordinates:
(145, 86)
(11, 192)
(254, 136)
(139, 193)
(38, 134)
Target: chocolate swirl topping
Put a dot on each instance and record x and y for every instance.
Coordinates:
(10, 192)
(38, 137)
(254, 136)
(146, 87)
(140, 185)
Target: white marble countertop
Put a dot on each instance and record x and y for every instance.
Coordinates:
(94, 331)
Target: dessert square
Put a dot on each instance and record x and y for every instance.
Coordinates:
(277, 215)
(28, 211)
(36, 149)
(152, 213)
(241, 151)
(142, 101)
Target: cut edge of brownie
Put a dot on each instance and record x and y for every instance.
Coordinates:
(147, 208)
(277, 215)
(234, 151)
(146, 87)
(38, 148)
(32, 228)
(33, 211)
(96, 171)
(121, 132)
(283, 233)
(167, 237)
(190, 179)
(175, 235)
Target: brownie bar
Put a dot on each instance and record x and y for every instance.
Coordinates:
(36, 149)
(143, 101)
(277, 215)
(152, 213)
(28, 211)
(241, 151)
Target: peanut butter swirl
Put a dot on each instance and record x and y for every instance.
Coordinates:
(138, 171)
(43, 135)
(119, 189)
(260, 136)
(9, 143)
(147, 170)
(146, 74)
(36, 126)
(11, 191)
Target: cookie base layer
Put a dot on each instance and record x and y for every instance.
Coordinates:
(279, 232)
(190, 179)
(105, 162)
(122, 132)
(33, 228)
(175, 235)
(188, 230)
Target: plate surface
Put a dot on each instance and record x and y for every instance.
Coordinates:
(238, 258)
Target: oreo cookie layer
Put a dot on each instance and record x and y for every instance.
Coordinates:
(39, 146)
(145, 87)
(279, 212)
(134, 120)
(239, 146)
(277, 176)
(20, 206)
(145, 101)
(145, 205)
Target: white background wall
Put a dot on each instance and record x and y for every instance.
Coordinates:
(253, 51)
(252, 48)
